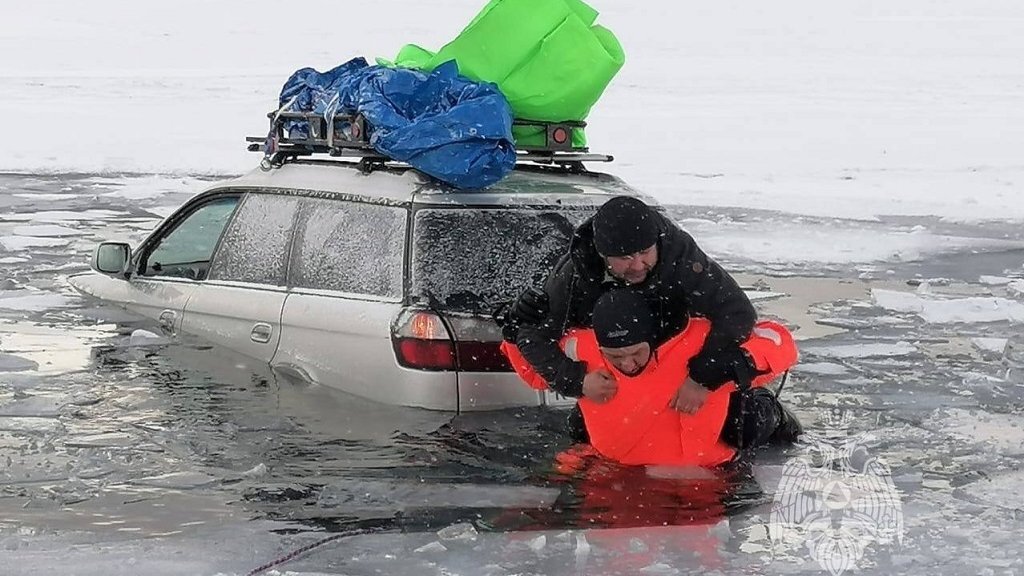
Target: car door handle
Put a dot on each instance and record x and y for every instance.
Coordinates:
(261, 332)
(167, 320)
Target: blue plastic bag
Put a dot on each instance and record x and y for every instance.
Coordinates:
(454, 129)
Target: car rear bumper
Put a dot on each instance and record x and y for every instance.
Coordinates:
(480, 391)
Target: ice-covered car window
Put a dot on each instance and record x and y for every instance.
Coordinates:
(186, 251)
(472, 259)
(255, 246)
(350, 247)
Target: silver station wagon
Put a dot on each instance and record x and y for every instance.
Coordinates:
(379, 283)
(373, 279)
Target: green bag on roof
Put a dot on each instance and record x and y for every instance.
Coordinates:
(546, 56)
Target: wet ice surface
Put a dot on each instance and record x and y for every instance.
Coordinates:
(121, 453)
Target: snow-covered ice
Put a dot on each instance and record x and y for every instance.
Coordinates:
(841, 109)
(992, 345)
(14, 363)
(29, 301)
(813, 241)
(45, 231)
(873, 350)
(178, 480)
(369, 494)
(17, 243)
(823, 368)
(994, 280)
(60, 216)
(942, 310)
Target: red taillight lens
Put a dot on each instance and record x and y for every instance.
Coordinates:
(422, 341)
(425, 354)
(482, 357)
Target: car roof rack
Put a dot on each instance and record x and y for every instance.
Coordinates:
(346, 136)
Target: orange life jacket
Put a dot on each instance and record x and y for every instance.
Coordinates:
(637, 426)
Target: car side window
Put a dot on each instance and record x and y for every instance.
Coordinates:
(351, 247)
(185, 251)
(256, 244)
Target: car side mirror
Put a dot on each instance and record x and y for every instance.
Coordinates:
(112, 258)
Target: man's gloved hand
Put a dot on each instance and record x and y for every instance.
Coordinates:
(504, 321)
(531, 307)
(730, 364)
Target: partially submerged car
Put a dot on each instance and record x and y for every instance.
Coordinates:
(365, 276)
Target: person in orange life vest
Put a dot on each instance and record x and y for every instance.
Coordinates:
(745, 418)
(630, 244)
(633, 421)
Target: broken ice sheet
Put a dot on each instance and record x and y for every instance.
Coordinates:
(1002, 433)
(431, 547)
(463, 532)
(868, 350)
(994, 280)
(538, 544)
(12, 363)
(31, 301)
(33, 406)
(18, 243)
(939, 310)
(30, 425)
(177, 480)
(381, 495)
(660, 569)
(104, 440)
(762, 295)
(46, 230)
(992, 345)
(860, 323)
(823, 368)
(142, 338)
(1002, 490)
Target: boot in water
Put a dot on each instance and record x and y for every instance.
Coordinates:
(789, 428)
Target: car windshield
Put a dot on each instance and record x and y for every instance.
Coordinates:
(472, 259)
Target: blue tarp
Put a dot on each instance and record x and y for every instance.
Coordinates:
(454, 129)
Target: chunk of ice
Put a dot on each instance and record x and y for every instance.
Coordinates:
(463, 532)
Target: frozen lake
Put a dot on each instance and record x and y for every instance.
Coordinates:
(128, 455)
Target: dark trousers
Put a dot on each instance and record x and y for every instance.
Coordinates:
(576, 427)
(753, 417)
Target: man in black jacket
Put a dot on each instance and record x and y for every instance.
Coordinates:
(627, 243)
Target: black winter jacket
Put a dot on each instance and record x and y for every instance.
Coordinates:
(683, 283)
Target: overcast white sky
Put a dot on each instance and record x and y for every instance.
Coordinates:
(848, 109)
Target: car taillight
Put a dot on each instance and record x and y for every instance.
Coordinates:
(425, 354)
(422, 341)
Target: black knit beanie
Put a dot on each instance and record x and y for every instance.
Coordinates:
(624, 225)
(622, 318)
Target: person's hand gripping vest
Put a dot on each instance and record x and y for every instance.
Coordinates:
(690, 397)
(599, 386)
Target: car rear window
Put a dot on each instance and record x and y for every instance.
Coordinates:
(472, 259)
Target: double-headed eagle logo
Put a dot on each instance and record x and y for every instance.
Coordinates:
(838, 506)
